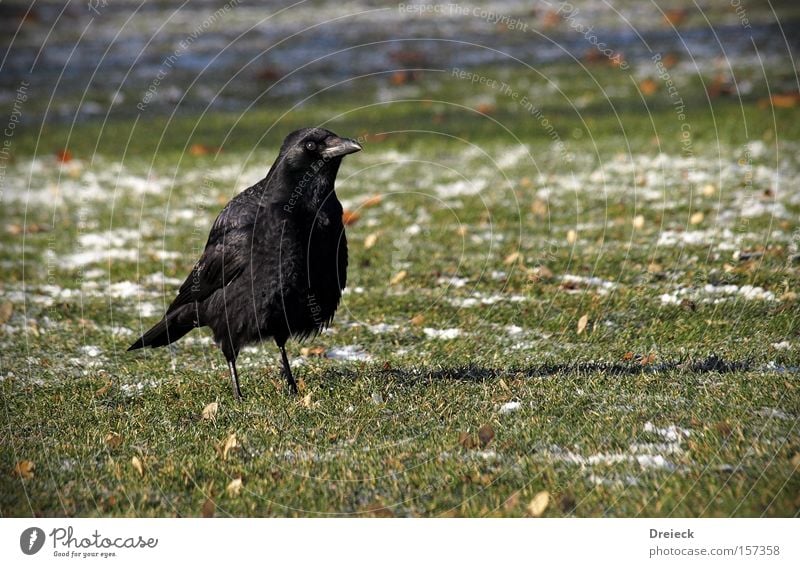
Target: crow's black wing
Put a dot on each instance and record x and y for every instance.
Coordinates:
(225, 257)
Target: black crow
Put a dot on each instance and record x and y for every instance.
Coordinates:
(275, 263)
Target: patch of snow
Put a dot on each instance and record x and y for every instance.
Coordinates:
(348, 352)
(444, 334)
(509, 407)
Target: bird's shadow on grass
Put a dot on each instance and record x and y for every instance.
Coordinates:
(473, 373)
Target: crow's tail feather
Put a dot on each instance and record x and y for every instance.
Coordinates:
(163, 333)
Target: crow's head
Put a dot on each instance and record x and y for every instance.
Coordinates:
(315, 149)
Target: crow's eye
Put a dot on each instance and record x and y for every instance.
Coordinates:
(311, 146)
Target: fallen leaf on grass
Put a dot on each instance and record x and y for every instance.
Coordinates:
(418, 320)
(24, 469)
(350, 217)
(312, 351)
(113, 440)
(372, 201)
(512, 258)
(466, 440)
(539, 504)
(234, 487)
(572, 236)
(64, 156)
(306, 400)
(485, 435)
(137, 464)
(796, 460)
(210, 411)
(638, 221)
(370, 240)
(231, 443)
(6, 309)
(398, 277)
(582, 322)
(648, 87)
(697, 217)
(209, 508)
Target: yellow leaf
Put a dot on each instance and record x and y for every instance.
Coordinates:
(697, 217)
(306, 401)
(512, 258)
(137, 464)
(234, 487)
(572, 236)
(638, 221)
(24, 469)
(210, 411)
(231, 443)
(370, 240)
(582, 322)
(709, 190)
(398, 277)
(539, 504)
(462, 230)
(113, 440)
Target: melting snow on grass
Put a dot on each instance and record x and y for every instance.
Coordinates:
(710, 293)
(444, 334)
(347, 353)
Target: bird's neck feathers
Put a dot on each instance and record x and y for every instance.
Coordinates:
(301, 191)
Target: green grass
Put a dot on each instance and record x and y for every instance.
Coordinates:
(398, 434)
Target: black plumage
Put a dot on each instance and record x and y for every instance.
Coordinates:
(275, 263)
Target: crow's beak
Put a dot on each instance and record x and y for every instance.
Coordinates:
(335, 147)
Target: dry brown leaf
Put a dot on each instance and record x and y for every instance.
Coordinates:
(113, 440)
(350, 217)
(638, 221)
(466, 440)
(370, 240)
(372, 201)
(210, 411)
(582, 322)
(627, 356)
(24, 469)
(462, 230)
(312, 351)
(796, 460)
(306, 400)
(137, 464)
(6, 309)
(209, 508)
(234, 487)
(697, 217)
(654, 268)
(485, 435)
(572, 236)
(539, 208)
(512, 258)
(648, 87)
(418, 320)
(231, 443)
(398, 277)
(539, 504)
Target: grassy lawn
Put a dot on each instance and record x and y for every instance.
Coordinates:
(609, 315)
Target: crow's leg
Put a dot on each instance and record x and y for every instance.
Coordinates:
(287, 370)
(230, 355)
(237, 393)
